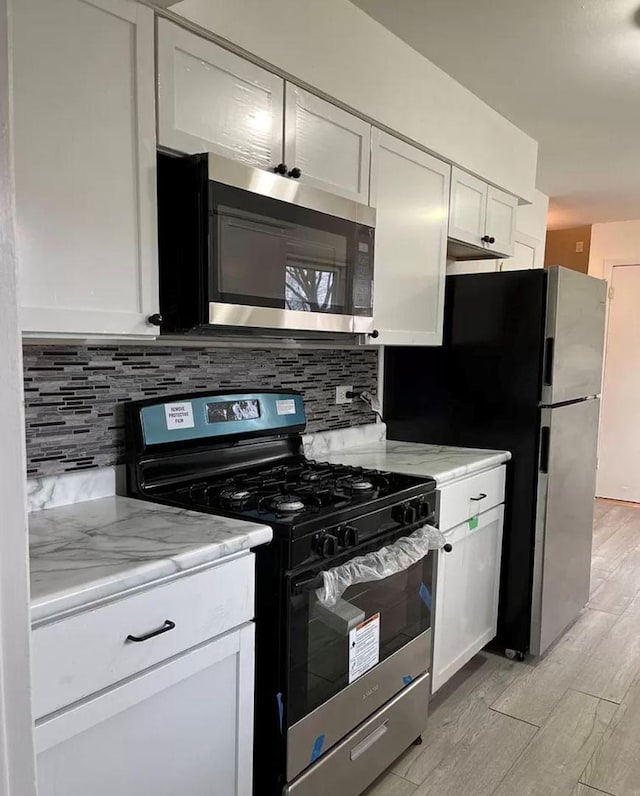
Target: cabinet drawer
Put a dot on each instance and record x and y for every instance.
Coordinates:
(76, 657)
(471, 496)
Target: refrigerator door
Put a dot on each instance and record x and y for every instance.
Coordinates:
(574, 336)
(564, 521)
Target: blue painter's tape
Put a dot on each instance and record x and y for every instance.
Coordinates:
(407, 679)
(317, 748)
(425, 595)
(280, 708)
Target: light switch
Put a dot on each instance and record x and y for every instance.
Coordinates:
(579, 246)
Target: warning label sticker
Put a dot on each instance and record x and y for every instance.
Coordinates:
(364, 647)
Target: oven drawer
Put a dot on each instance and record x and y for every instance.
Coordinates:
(334, 719)
(364, 754)
(470, 496)
(75, 657)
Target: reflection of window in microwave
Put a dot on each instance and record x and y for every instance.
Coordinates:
(233, 410)
(309, 289)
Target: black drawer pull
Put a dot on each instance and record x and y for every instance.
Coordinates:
(481, 496)
(447, 547)
(168, 625)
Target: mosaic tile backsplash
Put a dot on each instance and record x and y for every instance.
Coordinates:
(74, 394)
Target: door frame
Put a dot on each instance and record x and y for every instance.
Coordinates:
(17, 763)
(609, 265)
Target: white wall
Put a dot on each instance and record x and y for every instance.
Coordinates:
(338, 49)
(618, 240)
(17, 773)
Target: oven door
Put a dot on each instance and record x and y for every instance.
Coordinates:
(347, 660)
(274, 264)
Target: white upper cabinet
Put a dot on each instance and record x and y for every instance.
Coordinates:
(480, 215)
(210, 100)
(330, 146)
(501, 220)
(85, 157)
(411, 192)
(468, 208)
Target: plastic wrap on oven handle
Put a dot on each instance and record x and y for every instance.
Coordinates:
(379, 565)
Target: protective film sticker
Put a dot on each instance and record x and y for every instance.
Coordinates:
(473, 523)
(407, 678)
(425, 595)
(317, 748)
(280, 708)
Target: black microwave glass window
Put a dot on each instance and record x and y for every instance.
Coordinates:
(266, 261)
(225, 411)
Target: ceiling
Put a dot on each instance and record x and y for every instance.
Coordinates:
(567, 72)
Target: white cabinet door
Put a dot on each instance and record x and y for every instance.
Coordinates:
(411, 193)
(330, 146)
(185, 727)
(211, 100)
(468, 208)
(85, 159)
(467, 593)
(501, 220)
(528, 252)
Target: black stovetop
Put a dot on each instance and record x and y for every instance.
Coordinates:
(298, 492)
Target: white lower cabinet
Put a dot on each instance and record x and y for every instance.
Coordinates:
(183, 727)
(467, 593)
(176, 715)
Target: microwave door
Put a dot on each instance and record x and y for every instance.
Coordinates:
(273, 266)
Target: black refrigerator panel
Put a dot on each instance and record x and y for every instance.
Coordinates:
(481, 389)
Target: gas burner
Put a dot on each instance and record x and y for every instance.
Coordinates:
(288, 504)
(235, 495)
(311, 475)
(361, 486)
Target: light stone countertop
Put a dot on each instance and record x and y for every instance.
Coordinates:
(367, 447)
(99, 548)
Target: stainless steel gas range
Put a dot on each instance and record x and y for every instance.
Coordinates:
(343, 593)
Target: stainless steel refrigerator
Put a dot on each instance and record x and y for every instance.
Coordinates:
(520, 369)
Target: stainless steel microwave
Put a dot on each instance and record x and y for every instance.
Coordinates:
(249, 248)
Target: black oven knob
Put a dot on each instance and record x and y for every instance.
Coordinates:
(424, 509)
(403, 514)
(327, 545)
(281, 168)
(348, 536)
(295, 173)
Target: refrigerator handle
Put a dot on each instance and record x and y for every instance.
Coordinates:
(545, 439)
(548, 361)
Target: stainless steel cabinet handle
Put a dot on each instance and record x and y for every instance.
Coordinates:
(168, 625)
(481, 496)
(369, 741)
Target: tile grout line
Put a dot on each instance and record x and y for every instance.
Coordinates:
(596, 696)
(517, 718)
(597, 790)
(517, 760)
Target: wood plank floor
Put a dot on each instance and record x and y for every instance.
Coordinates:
(566, 724)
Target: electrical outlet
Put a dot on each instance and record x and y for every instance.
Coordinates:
(341, 394)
